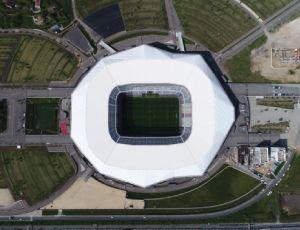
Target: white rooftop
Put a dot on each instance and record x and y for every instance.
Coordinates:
(145, 165)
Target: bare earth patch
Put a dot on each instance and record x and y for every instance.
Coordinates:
(92, 194)
(286, 37)
(291, 203)
(6, 198)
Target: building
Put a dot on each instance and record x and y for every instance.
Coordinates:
(259, 155)
(206, 116)
(278, 154)
(243, 154)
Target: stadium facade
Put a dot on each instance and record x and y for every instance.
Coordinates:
(207, 115)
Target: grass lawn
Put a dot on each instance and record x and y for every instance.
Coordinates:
(269, 208)
(33, 173)
(149, 115)
(291, 181)
(226, 186)
(265, 8)
(264, 210)
(135, 34)
(279, 167)
(239, 66)
(280, 102)
(8, 46)
(213, 23)
(144, 14)
(21, 16)
(279, 127)
(3, 115)
(38, 61)
(137, 14)
(42, 116)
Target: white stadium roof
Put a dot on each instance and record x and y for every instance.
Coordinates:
(144, 165)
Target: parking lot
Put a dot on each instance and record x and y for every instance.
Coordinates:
(263, 114)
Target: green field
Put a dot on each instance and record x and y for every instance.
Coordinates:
(278, 127)
(239, 66)
(8, 45)
(38, 61)
(3, 115)
(137, 14)
(42, 116)
(133, 34)
(213, 23)
(269, 209)
(149, 115)
(21, 16)
(265, 8)
(32, 174)
(144, 14)
(280, 102)
(226, 186)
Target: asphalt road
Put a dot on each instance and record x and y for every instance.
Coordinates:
(173, 20)
(256, 89)
(15, 134)
(262, 226)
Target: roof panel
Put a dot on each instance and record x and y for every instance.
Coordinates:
(144, 165)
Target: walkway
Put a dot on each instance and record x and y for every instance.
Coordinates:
(173, 20)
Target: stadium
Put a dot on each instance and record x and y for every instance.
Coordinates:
(146, 115)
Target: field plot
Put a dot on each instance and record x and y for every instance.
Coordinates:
(279, 127)
(18, 17)
(213, 23)
(8, 46)
(144, 14)
(265, 8)
(3, 115)
(149, 115)
(32, 174)
(42, 116)
(226, 186)
(280, 102)
(38, 61)
(137, 14)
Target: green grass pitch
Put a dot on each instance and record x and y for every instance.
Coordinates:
(33, 173)
(150, 115)
(42, 116)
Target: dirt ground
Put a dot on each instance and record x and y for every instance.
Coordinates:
(287, 36)
(291, 203)
(92, 194)
(6, 198)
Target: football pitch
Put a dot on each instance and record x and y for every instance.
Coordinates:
(150, 115)
(42, 116)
